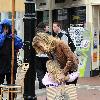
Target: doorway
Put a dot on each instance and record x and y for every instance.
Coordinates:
(96, 37)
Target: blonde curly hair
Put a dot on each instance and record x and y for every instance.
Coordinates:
(42, 37)
(53, 67)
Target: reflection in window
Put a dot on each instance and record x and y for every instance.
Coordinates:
(59, 1)
(10, 15)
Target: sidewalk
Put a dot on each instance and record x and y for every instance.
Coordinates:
(87, 89)
(89, 81)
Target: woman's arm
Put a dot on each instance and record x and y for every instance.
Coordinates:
(72, 61)
(2, 38)
(18, 42)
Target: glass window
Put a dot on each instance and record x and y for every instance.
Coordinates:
(59, 1)
(10, 15)
(45, 16)
(77, 15)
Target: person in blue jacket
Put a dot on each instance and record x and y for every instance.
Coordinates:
(6, 51)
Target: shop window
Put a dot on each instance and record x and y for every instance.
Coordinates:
(77, 15)
(45, 16)
(63, 18)
(10, 15)
(59, 1)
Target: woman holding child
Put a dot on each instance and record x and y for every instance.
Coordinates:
(61, 58)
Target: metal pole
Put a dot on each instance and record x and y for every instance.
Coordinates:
(50, 15)
(12, 61)
(29, 52)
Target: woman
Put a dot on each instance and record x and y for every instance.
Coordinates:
(6, 52)
(59, 51)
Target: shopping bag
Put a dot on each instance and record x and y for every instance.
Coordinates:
(61, 92)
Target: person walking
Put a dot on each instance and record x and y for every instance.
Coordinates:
(57, 50)
(6, 52)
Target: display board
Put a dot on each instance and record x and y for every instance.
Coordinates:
(82, 39)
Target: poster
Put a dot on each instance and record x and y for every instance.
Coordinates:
(82, 39)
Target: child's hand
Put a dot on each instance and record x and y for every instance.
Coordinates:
(51, 77)
(67, 78)
(61, 78)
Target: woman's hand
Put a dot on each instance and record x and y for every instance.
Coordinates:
(61, 78)
(5, 30)
(67, 78)
(51, 77)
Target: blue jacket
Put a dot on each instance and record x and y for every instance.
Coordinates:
(6, 48)
(17, 41)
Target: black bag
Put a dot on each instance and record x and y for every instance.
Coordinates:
(70, 43)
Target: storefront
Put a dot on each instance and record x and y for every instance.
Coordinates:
(72, 16)
(96, 40)
(79, 15)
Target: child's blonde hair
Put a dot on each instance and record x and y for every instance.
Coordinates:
(53, 67)
(44, 37)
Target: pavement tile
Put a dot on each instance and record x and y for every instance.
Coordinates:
(85, 94)
(89, 80)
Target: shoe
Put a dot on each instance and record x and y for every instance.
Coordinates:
(42, 86)
(30, 98)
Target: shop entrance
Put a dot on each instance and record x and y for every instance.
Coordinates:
(96, 36)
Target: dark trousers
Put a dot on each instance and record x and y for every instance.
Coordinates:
(40, 67)
(29, 84)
